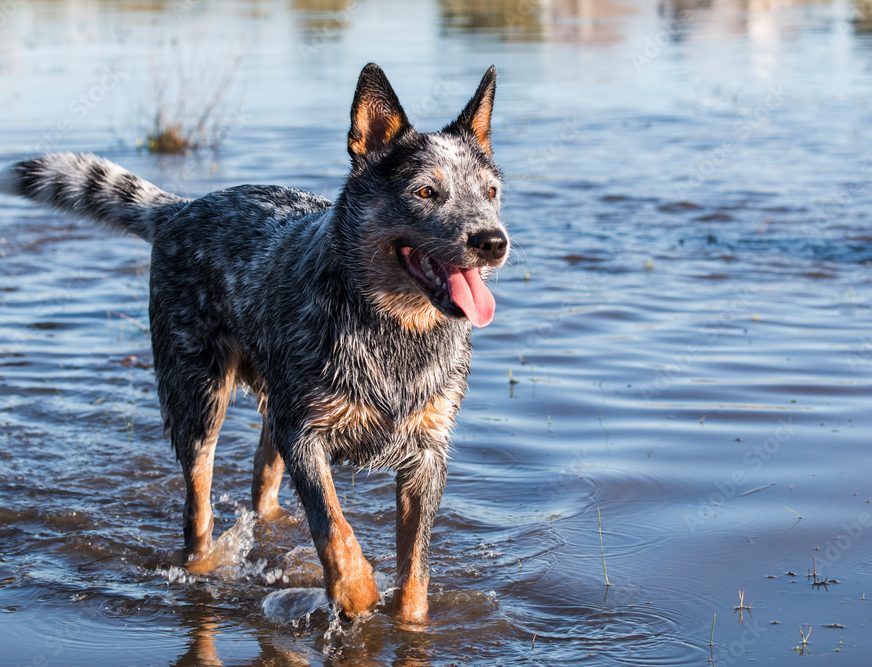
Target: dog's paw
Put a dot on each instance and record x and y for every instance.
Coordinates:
(410, 604)
(201, 562)
(272, 513)
(355, 598)
(354, 592)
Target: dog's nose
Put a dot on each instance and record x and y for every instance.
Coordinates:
(490, 245)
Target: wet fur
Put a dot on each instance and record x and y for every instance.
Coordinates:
(304, 302)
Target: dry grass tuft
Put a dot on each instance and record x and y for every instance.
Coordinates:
(168, 138)
(190, 108)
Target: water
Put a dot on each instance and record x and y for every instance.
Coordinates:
(682, 339)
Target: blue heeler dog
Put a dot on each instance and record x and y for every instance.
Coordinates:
(350, 321)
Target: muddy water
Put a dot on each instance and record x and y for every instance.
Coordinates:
(682, 344)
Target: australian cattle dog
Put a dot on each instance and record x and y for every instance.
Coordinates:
(350, 320)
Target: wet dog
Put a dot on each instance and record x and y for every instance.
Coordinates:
(350, 321)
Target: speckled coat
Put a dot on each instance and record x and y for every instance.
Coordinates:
(309, 304)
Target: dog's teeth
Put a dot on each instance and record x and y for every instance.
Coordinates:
(429, 273)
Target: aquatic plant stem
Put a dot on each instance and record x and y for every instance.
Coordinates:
(599, 525)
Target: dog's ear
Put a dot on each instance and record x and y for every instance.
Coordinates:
(376, 115)
(476, 117)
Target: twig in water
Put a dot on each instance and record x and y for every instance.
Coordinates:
(741, 608)
(599, 525)
(818, 581)
(805, 633)
(132, 320)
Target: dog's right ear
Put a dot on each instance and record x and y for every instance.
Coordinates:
(376, 115)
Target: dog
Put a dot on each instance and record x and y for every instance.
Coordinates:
(349, 321)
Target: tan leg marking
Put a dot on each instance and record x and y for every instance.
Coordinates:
(199, 520)
(198, 508)
(413, 578)
(348, 575)
(269, 470)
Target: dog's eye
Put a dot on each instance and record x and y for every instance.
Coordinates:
(492, 192)
(426, 192)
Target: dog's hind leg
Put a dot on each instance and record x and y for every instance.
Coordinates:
(269, 470)
(195, 364)
(420, 484)
(194, 413)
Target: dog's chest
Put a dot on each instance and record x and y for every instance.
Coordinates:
(398, 376)
(387, 397)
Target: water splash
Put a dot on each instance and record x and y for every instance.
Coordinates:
(234, 544)
(175, 574)
(227, 558)
(294, 605)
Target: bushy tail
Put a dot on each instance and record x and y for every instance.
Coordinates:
(93, 188)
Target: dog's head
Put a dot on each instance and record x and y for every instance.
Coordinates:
(427, 206)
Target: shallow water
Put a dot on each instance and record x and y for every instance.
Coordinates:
(682, 344)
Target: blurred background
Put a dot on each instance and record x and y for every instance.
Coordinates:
(674, 397)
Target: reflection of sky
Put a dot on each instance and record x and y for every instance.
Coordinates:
(88, 76)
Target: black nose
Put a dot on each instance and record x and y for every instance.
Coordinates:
(490, 245)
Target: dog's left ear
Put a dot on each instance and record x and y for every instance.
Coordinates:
(476, 117)
(376, 115)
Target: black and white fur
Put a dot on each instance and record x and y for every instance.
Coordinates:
(307, 302)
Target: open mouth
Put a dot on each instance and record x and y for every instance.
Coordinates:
(451, 288)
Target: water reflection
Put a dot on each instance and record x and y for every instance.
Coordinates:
(205, 641)
(532, 20)
(605, 22)
(347, 645)
(327, 17)
(863, 16)
(202, 629)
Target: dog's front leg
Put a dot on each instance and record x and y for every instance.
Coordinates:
(419, 491)
(347, 574)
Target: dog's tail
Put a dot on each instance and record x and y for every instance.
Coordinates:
(93, 188)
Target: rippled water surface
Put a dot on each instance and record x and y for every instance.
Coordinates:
(682, 345)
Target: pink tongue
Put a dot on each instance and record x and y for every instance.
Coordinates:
(471, 295)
